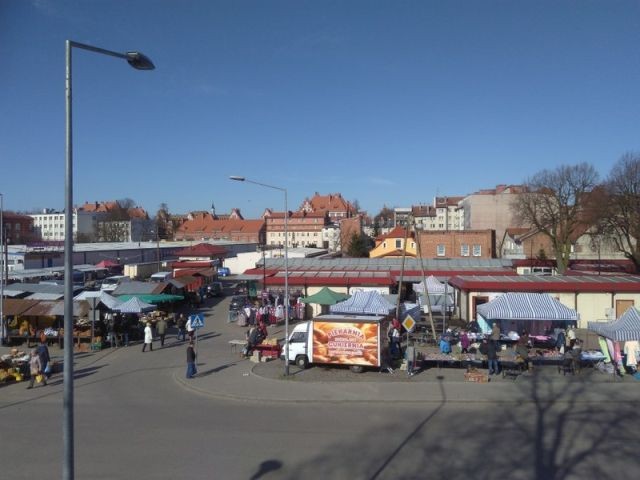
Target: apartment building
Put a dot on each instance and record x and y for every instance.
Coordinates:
(50, 224)
(304, 228)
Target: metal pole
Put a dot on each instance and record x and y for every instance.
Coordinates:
(286, 284)
(158, 249)
(139, 62)
(2, 334)
(67, 417)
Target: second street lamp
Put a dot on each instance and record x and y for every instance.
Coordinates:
(140, 62)
(286, 265)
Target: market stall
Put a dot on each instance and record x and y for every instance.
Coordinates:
(625, 329)
(364, 303)
(537, 313)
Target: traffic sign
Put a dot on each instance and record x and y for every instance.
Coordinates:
(197, 321)
(409, 323)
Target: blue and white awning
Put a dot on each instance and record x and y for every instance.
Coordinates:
(367, 303)
(627, 327)
(526, 306)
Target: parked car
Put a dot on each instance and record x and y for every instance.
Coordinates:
(215, 289)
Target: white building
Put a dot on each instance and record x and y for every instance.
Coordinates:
(50, 225)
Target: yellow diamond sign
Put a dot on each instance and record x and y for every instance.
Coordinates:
(409, 323)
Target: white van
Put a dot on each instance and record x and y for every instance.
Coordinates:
(160, 277)
(109, 284)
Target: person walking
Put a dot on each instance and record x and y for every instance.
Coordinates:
(43, 353)
(190, 329)
(148, 338)
(35, 368)
(182, 322)
(161, 328)
(191, 361)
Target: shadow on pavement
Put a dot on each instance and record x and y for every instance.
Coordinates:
(266, 467)
(556, 434)
(215, 370)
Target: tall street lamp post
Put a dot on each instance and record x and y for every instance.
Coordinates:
(140, 62)
(2, 335)
(286, 265)
(155, 231)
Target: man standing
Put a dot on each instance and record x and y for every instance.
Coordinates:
(161, 328)
(191, 361)
(148, 338)
(182, 322)
(489, 348)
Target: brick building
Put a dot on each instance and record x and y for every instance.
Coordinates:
(304, 228)
(458, 244)
(18, 228)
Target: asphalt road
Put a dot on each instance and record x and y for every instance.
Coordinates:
(134, 420)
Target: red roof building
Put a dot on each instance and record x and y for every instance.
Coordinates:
(203, 226)
(333, 205)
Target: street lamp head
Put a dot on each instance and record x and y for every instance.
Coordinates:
(139, 61)
(237, 178)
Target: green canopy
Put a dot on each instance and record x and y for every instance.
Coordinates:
(326, 296)
(152, 298)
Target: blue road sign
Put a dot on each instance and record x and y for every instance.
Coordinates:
(197, 321)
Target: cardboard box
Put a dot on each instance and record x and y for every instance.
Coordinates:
(476, 377)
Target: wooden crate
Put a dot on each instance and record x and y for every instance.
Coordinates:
(476, 377)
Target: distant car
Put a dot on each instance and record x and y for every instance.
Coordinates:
(215, 289)
(223, 272)
(237, 302)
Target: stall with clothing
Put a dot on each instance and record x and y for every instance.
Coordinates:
(620, 340)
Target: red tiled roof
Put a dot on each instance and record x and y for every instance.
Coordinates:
(202, 250)
(397, 232)
(333, 202)
(205, 223)
(535, 283)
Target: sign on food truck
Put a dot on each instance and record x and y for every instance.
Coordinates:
(345, 343)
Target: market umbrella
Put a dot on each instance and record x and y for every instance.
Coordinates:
(326, 296)
(135, 305)
(152, 297)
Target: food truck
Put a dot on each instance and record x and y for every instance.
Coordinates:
(357, 341)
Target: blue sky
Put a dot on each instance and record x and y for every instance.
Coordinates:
(387, 102)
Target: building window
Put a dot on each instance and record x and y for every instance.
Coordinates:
(477, 250)
(440, 250)
(384, 244)
(464, 250)
(398, 243)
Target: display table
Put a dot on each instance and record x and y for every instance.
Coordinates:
(237, 343)
(272, 351)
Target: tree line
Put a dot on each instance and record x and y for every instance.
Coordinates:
(570, 201)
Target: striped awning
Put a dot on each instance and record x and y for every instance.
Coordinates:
(627, 327)
(526, 306)
(433, 286)
(368, 303)
(135, 305)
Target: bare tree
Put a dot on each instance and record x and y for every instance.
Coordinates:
(163, 222)
(553, 203)
(622, 207)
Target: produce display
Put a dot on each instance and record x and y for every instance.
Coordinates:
(13, 365)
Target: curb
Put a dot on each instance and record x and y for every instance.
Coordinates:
(246, 398)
